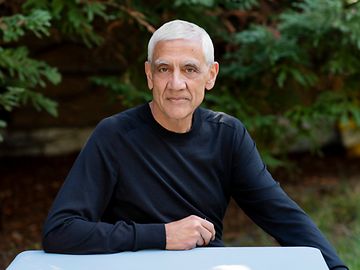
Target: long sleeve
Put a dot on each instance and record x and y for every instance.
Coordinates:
(74, 224)
(265, 202)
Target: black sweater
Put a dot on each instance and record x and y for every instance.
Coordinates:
(133, 176)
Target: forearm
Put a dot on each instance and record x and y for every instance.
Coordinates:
(266, 203)
(83, 237)
(287, 222)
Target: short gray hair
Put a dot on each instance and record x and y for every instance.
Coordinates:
(179, 29)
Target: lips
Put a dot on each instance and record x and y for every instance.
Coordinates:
(178, 98)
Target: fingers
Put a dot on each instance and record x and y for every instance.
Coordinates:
(200, 241)
(188, 233)
(205, 229)
(206, 236)
(210, 227)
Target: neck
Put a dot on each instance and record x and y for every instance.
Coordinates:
(173, 125)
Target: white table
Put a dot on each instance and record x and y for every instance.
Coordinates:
(228, 258)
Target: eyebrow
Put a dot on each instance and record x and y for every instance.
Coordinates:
(193, 63)
(160, 62)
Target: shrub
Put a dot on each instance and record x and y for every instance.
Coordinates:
(289, 69)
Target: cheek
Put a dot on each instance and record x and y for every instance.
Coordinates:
(160, 82)
(199, 87)
(198, 96)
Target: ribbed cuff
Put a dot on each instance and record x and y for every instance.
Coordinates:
(150, 236)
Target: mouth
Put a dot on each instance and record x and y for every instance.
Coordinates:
(178, 99)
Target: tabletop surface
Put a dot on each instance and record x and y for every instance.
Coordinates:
(227, 258)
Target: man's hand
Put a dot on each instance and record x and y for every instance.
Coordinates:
(189, 232)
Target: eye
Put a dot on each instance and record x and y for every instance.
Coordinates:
(190, 70)
(163, 69)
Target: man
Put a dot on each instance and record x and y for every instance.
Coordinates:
(161, 175)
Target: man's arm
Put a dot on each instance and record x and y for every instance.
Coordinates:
(263, 200)
(74, 224)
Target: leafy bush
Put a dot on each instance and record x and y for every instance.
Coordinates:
(287, 68)
(296, 73)
(19, 73)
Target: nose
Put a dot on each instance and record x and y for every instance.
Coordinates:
(177, 81)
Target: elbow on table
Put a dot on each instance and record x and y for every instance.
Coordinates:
(60, 236)
(58, 240)
(50, 243)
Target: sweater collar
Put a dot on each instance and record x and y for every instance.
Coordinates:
(196, 123)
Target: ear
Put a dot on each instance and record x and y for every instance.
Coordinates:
(213, 72)
(148, 73)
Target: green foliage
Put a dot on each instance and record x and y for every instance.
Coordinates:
(14, 27)
(302, 69)
(73, 17)
(287, 68)
(24, 70)
(208, 3)
(240, 4)
(16, 96)
(20, 74)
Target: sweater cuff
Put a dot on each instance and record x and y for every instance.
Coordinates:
(340, 268)
(149, 236)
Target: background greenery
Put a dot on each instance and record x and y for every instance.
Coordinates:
(289, 69)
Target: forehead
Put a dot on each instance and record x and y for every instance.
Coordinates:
(179, 50)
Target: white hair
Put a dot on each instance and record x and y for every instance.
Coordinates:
(179, 29)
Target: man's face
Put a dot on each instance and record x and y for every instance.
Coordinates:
(178, 76)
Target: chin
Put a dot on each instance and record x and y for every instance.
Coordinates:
(179, 115)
